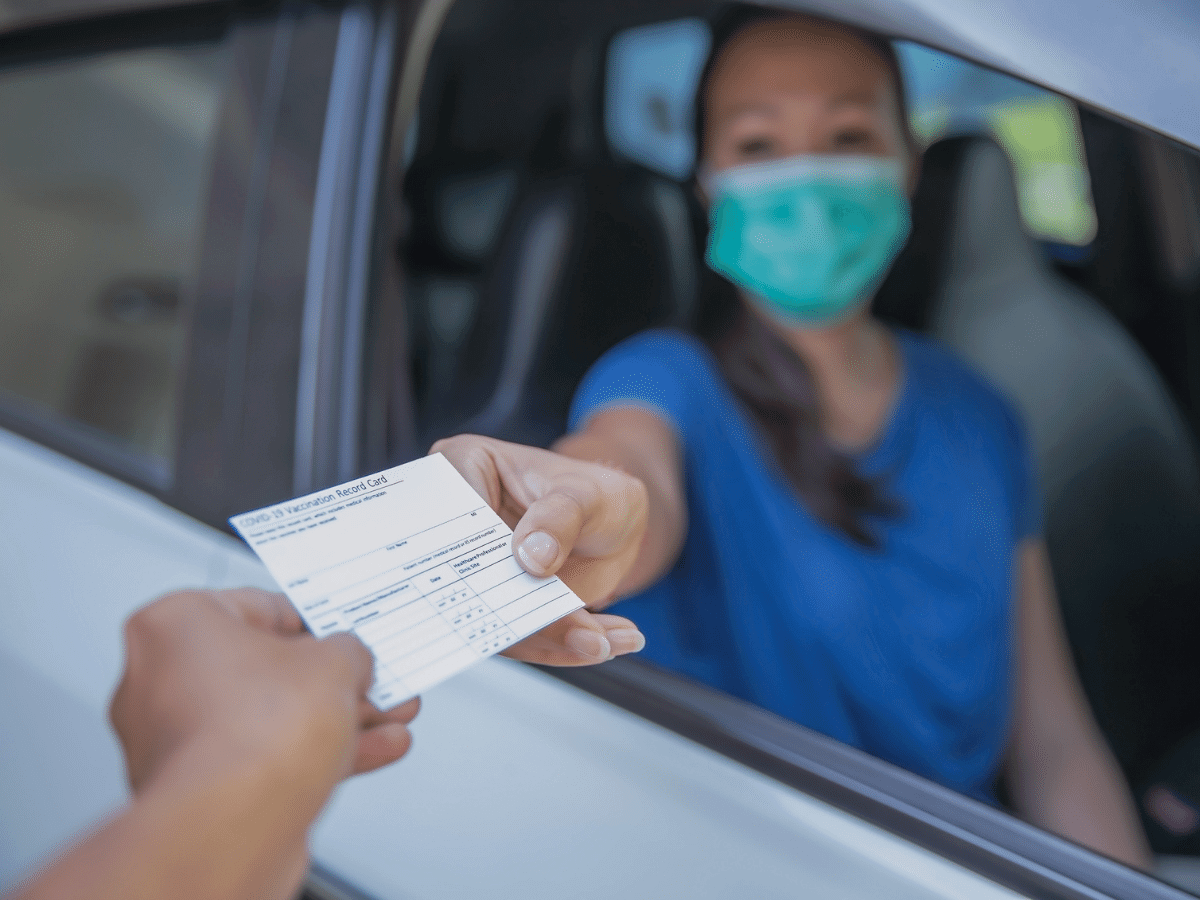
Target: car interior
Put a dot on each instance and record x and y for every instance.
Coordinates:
(539, 231)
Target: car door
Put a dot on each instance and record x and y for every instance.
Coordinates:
(157, 175)
(246, 368)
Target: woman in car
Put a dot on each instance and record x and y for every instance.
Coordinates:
(832, 519)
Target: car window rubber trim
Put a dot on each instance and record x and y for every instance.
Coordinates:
(88, 445)
(983, 839)
(336, 283)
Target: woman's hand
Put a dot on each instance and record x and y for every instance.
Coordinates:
(580, 520)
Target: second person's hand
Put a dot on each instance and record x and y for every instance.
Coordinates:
(235, 669)
(234, 719)
(579, 520)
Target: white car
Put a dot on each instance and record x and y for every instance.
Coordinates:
(250, 249)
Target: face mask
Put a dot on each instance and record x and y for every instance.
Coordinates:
(810, 237)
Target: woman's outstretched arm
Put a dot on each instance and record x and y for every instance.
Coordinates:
(1061, 774)
(641, 443)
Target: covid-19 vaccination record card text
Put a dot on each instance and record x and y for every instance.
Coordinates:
(414, 563)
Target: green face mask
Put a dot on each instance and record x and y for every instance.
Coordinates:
(809, 237)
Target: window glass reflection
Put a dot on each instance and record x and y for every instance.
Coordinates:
(104, 166)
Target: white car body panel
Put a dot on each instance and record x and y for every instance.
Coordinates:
(78, 552)
(514, 778)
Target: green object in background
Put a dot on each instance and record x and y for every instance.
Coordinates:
(1043, 140)
(930, 123)
(1038, 129)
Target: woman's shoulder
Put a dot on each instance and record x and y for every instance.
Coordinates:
(658, 353)
(664, 369)
(663, 345)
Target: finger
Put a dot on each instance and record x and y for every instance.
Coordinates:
(471, 456)
(351, 662)
(268, 610)
(548, 531)
(596, 581)
(580, 639)
(369, 714)
(381, 745)
(285, 876)
(587, 528)
(614, 505)
(122, 717)
(623, 635)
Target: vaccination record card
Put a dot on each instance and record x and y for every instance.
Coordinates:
(413, 562)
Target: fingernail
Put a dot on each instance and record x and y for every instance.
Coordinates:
(538, 552)
(589, 643)
(626, 640)
(395, 733)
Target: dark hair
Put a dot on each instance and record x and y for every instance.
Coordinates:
(764, 372)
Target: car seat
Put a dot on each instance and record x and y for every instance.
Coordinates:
(522, 273)
(1118, 468)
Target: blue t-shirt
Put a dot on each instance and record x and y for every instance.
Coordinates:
(906, 651)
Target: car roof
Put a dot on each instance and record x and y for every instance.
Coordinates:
(16, 14)
(1138, 61)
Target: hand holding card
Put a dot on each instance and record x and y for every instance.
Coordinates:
(414, 563)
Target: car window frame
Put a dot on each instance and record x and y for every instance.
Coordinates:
(237, 447)
(348, 240)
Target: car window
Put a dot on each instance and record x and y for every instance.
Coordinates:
(1039, 130)
(104, 163)
(650, 81)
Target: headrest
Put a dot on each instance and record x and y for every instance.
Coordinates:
(461, 201)
(988, 236)
(470, 209)
(965, 221)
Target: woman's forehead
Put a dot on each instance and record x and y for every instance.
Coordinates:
(798, 57)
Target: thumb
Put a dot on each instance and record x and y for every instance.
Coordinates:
(587, 528)
(351, 663)
(551, 526)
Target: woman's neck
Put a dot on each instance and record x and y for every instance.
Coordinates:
(856, 368)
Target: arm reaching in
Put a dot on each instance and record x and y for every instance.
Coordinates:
(236, 726)
(604, 510)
